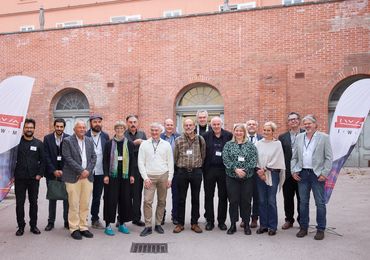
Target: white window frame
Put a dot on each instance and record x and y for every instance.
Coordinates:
(131, 18)
(172, 13)
(293, 2)
(231, 7)
(122, 19)
(27, 28)
(125, 18)
(247, 5)
(66, 24)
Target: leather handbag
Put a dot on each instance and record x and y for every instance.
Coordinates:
(56, 190)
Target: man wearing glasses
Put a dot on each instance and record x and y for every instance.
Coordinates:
(290, 187)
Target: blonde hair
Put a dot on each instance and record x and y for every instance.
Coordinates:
(242, 127)
(272, 125)
(120, 123)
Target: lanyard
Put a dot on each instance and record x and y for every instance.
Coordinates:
(97, 143)
(155, 147)
(309, 142)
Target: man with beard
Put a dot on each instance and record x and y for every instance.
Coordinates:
(28, 171)
(100, 138)
(135, 136)
(54, 167)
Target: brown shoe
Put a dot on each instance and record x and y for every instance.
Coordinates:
(301, 233)
(196, 228)
(178, 229)
(319, 235)
(287, 225)
(253, 223)
(242, 224)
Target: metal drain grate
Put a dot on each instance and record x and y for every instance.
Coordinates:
(152, 248)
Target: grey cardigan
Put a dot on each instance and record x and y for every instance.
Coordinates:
(322, 157)
(73, 161)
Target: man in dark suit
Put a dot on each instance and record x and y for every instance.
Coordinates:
(253, 137)
(214, 172)
(290, 187)
(100, 138)
(79, 162)
(54, 167)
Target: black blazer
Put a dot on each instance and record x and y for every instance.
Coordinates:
(51, 153)
(104, 138)
(106, 158)
(286, 142)
(208, 138)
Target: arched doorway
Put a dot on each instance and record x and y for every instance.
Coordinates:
(198, 96)
(72, 105)
(360, 155)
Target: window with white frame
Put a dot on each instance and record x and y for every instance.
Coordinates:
(248, 5)
(172, 13)
(231, 8)
(289, 2)
(27, 28)
(122, 19)
(69, 24)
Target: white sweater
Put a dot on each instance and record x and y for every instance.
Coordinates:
(156, 162)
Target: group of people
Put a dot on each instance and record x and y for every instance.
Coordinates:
(247, 168)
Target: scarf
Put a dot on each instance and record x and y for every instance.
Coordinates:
(113, 168)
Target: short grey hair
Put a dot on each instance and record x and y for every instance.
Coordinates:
(252, 120)
(120, 123)
(272, 125)
(310, 117)
(79, 121)
(216, 118)
(202, 111)
(156, 125)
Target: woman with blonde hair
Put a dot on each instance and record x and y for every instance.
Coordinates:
(240, 159)
(271, 173)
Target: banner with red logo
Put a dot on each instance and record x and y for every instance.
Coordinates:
(15, 93)
(348, 120)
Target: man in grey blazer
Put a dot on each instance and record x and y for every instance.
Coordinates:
(310, 165)
(79, 162)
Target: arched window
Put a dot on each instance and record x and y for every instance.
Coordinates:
(72, 105)
(198, 96)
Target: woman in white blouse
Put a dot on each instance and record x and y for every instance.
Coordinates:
(271, 173)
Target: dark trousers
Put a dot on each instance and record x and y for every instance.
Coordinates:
(212, 177)
(175, 196)
(184, 178)
(21, 187)
(290, 188)
(239, 192)
(98, 186)
(136, 193)
(117, 193)
(53, 209)
(255, 203)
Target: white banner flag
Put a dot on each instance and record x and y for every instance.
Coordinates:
(348, 120)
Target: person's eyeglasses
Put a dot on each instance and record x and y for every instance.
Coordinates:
(293, 119)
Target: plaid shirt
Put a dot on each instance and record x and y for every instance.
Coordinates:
(186, 159)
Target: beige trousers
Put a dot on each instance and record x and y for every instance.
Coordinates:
(159, 183)
(79, 194)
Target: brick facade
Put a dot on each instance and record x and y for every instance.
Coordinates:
(264, 62)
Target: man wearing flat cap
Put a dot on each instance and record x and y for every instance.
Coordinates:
(100, 138)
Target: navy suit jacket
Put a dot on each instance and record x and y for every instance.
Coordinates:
(104, 137)
(51, 153)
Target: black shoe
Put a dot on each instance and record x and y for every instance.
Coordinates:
(301, 233)
(319, 235)
(66, 225)
(35, 230)
(247, 230)
(222, 226)
(138, 223)
(87, 233)
(272, 232)
(159, 229)
(20, 232)
(49, 227)
(146, 231)
(210, 226)
(261, 230)
(232, 229)
(76, 235)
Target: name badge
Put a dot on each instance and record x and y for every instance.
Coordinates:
(241, 159)
(189, 152)
(120, 158)
(59, 158)
(218, 153)
(33, 148)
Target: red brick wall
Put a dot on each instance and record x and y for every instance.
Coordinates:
(251, 57)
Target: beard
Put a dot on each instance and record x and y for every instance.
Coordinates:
(28, 134)
(96, 128)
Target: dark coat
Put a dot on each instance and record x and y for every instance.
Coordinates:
(286, 142)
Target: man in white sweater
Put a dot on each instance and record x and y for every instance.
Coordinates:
(156, 167)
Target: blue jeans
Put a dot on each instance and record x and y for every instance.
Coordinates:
(267, 202)
(309, 181)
